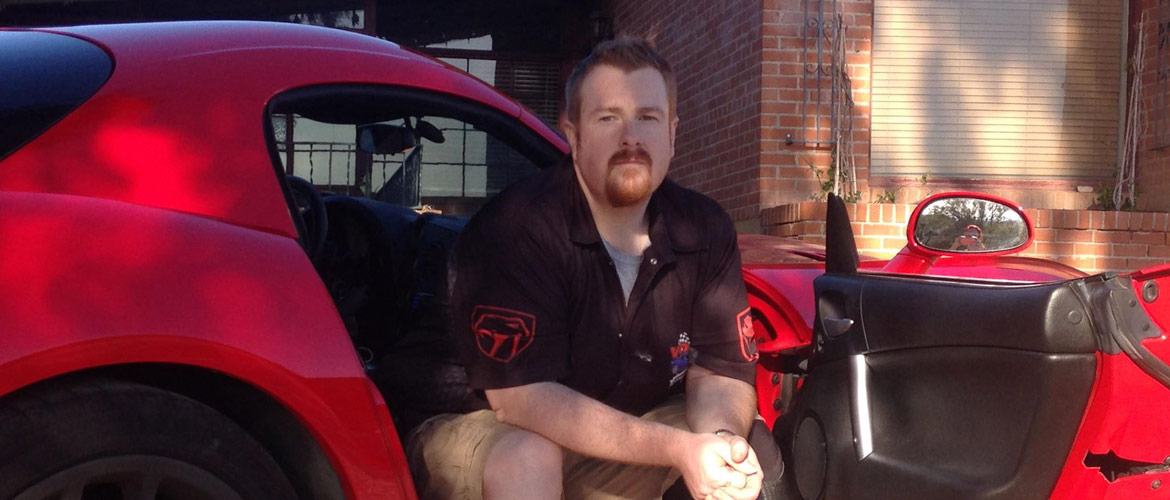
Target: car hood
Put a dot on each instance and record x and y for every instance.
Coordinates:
(763, 250)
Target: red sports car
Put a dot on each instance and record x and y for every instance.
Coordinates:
(223, 254)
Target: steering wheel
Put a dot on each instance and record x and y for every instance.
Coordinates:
(311, 215)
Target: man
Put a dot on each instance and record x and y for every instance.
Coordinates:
(585, 300)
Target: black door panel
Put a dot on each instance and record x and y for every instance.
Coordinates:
(905, 313)
(939, 389)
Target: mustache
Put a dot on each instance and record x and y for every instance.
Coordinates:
(626, 155)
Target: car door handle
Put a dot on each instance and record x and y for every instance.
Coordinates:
(835, 327)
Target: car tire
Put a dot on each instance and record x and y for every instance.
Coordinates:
(114, 439)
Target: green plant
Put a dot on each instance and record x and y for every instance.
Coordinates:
(886, 196)
(1104, 199)
(826, 181)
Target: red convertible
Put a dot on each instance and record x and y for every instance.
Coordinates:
(204, 299)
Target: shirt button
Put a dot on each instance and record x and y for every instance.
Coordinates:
(653, 261)
(619, 335)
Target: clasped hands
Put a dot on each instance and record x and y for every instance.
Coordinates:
(721, 468)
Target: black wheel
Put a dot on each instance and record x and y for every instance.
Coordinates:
(116, 440)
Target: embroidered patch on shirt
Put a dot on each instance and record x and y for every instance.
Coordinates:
(502, 333)
(680, 358)
(747, 336)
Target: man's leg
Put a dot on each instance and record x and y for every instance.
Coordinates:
(592, 479)
(473, 456)
(523, 464)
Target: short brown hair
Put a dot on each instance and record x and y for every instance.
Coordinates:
(625, 53)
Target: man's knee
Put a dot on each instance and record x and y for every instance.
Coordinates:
(521, 453)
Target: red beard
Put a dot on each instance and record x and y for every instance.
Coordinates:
(628, 183)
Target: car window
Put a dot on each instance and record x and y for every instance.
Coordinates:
(453, 172)
(44, 76)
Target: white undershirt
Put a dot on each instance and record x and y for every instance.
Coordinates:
(627, 268)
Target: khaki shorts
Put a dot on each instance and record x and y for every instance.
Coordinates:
(447, 455)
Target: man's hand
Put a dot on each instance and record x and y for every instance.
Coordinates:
(743, 457)
(720, 468)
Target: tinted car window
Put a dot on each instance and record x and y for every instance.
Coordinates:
(435, 152)
(44, 76)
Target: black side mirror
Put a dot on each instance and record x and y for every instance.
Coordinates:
(380, 138)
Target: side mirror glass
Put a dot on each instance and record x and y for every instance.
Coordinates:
(966, 225)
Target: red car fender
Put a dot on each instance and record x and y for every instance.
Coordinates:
(203, 293)
(781, 326)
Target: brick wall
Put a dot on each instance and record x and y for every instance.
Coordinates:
(741, 66)
(785, 174)
(714, 47)
(1092, 241)
(1153, 165)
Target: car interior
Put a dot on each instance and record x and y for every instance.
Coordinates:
(378, 245)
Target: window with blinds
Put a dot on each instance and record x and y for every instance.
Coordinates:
(996, 88)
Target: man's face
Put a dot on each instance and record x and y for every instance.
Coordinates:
(969, 237)
(623, 139)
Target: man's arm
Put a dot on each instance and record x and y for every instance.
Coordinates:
(589, 427)
(716, 402)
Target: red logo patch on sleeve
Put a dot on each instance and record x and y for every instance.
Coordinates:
(501, 333)
(747, 335)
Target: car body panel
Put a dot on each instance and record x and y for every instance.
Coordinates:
(202, 293)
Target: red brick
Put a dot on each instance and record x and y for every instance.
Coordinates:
(1139, 263)
(1123, 220)
(1034, 216)
(1149, 238)
(1135, 221)
(1073, 235)
(862, 212)
(1128, 250)
(868, 243)
(903, 214)
(1097, 219)
(1082, 263)
(813, 210)
(881, 230)
(1147, 222)
(1111, 221)
(1083, 219)
(1162, 251)
(1110, 264)
(1083, 249)
(1047, 248)
(1058, 219)
(1044, 235)
(1111, 236)
(1161, 222)
(893, 243)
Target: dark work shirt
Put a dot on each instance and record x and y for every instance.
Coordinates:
(536, 297)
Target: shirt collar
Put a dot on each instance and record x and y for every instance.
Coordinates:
(583, 229)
